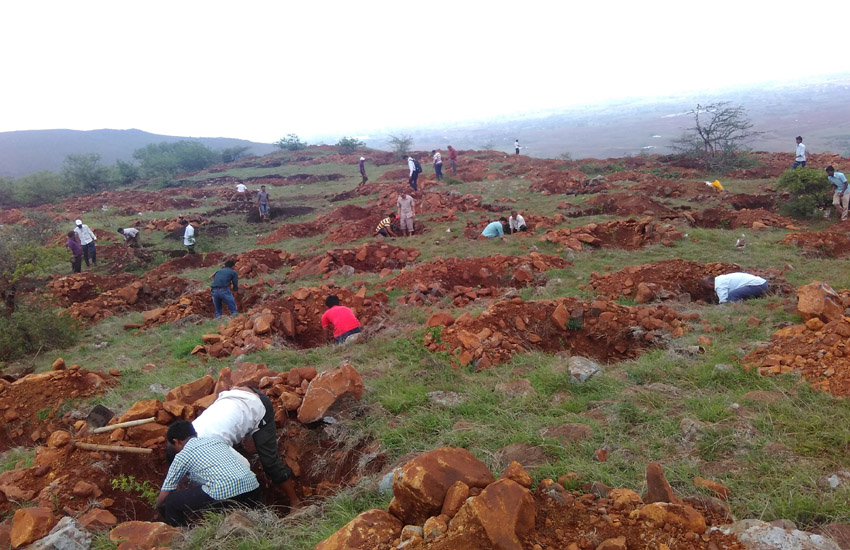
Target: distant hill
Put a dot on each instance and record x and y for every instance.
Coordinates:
(28, 151)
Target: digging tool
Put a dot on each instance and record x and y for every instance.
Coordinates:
(127, 424)
(112, 448)
(99, 417)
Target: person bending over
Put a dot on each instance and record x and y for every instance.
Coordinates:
(342, 318)
(735, 287)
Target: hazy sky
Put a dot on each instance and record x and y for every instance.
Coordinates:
(258, 70)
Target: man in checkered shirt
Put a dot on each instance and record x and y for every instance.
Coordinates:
(218, 473)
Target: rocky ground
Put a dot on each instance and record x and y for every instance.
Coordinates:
(608, 274)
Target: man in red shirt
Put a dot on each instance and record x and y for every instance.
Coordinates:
(342, 318)
(453, 158)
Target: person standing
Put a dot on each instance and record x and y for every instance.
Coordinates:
(800, 158)
(516, 146)
(263, 203)
(415, 168)
(87, 239)
(188, 236)
(76, 252)
(223, 279)
(363, 171)
(131, 236)
(406, 212)
(453, 159)
(516, 222)
(840, 195)
(438, 164)
(217, 474)
(342, 318)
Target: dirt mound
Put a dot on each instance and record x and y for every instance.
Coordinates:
(260, 261)
(718, 217)
(629, 234)
(820, 244)
(200, 303)
(189, 261)
(128, 202)
(292, 231)
(603, 330)
(815, 350)
(345, 213)
(567, 182)
(670, 189)
(12, 216)
(369, 258)
(295, 179)
(669, 279)
(30, 406)
(741, 201)
(136, 296)
(84, 286)
(626, 204)
(296, 318)
(494, 271)
(447, 202)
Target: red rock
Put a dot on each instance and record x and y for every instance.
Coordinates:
(719, 490)
(421, 488)
(97, 519)
(681, 515)
(191, 392)
(504, 511)
(326, 389)
(287, 322)
(515, 472)
(84, 489)
(31, 524)
(435, 527)
(144, 534)
(600, 455)
(644, 294)
(59, 364)
(657, 488)
(370, 530)
(250, 374)
(561, 316)
(817, 299)
(815, 324)
(59, 438)
(455, 497)
(211, 338)
(618, 543)
(441, 318)
(141, 409)
(146, 432)
(295, 376)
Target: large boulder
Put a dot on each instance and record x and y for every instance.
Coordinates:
(680, 515)
(325, 389)
(191, 392)
(144, 534)
(371, 529)
(817, 299)
(420, 487)
(505, 512)
(31, 524)
(68, 534)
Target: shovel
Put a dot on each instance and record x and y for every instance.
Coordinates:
(97, 420)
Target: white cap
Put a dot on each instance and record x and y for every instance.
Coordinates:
(362, 158)
(79, 222)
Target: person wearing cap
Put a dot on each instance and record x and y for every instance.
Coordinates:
(363, 171)
(453, 159)
(87, 239)
(800, 157)
(131, 236)
(840, 194)
(188, 236)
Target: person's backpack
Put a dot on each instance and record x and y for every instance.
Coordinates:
(417, 167)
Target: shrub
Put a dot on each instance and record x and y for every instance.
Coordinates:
(290, 143)
(31, 328)
(400, 144)
(349, 145)
(809, 189)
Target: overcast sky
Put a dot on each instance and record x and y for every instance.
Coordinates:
(258, 70)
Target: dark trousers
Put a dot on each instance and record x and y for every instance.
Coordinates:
(744, 292)
(182, 503)
(89, 253)
(517, 150)
(265, 440)
(190, 248)
(799, 163)
(223, 295)
(344, 336)
(365, 179)
(414, 177)
(438, 168)
(76, 264)
(454, 167)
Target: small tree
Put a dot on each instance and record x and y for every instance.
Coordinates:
(290, 143)
(85, 173)
(349, 145)
(401, 144)
(718, 135)
(124, 172)
(232, 154)
(809, 189)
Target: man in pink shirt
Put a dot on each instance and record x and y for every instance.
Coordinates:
(342, 318)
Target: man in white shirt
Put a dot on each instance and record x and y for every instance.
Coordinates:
(800, 158)
(131, 236)
(188, 236)
(242, 412)
(735, 287)
(414, 173)
(438, 164)
(840, 193)
(87, 239)
(406, 212)
(516, 222)
(516, 146)
(241, 187)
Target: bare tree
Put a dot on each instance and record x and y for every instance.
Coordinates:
(718, 134)
(401, 144)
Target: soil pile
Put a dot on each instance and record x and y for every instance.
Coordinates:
(13, 216)
(603, 330)
(567, 182)
(669, 279)
(494, 271)
(295, 179)
(718, 217)
(368, 258)
(122, 258)
(296, 318)
(136, 296)
(350, 217)
(200, 303)
(437, 202)
(626, 204)
(741, 201)
(189, 261)
(261, 261)
(630, 234)
(81, 287)
(31, 406)
(820, 244)
(128, 203)
(695, 191)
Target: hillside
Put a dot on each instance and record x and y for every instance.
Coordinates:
(28, 151)
(571, 387)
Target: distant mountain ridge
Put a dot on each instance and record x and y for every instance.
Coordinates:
(26, 151)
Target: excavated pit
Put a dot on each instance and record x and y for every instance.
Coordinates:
(719, 217)
(823, 244)
(367, 258)
(626, 204)
(630, 234)
(81, 287)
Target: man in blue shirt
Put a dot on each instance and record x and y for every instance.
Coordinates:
(840, 196)
(222, 281)
(215, 469)
(495, 229)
